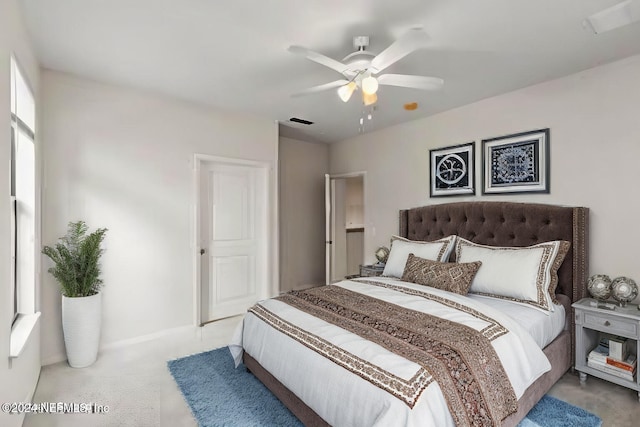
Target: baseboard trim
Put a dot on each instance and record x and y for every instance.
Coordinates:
(56, 358)
(149, 337)
(129, 342)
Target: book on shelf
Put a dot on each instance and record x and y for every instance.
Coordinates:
(600, 358)
(611, 370)
(627, 365)
(601, 352)
(619, 348)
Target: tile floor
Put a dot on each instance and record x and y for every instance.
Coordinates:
(137, 387)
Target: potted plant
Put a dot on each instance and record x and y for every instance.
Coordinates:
(76, 267)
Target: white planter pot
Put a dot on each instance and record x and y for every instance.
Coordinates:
(81, 318)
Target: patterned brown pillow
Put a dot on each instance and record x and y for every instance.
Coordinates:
(448, 276)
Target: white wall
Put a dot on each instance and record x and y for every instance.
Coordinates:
(594, 118)
(354, 204)
(302, 169)
(123, 159)
(355, 251)
(18, 377)
(354, 201)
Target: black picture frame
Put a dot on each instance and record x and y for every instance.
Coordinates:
(452, 170)
(516, 163)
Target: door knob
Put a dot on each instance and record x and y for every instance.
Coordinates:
(202, 251)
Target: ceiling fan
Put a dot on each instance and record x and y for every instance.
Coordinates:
(361, 68)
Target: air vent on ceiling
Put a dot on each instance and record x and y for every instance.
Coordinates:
(301, 121)
(611, 18)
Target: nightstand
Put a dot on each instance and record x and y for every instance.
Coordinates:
(371, 270)
(591, 321)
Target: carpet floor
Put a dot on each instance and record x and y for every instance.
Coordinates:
(220, 395)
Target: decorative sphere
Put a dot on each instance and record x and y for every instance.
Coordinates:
(599, 286)
(624, 290)
(382, 253)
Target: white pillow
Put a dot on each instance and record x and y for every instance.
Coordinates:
(438, 250)
(524, 274)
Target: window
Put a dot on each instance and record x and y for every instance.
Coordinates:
(23, 193)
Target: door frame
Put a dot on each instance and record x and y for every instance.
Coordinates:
(268, 245)
(331, 212)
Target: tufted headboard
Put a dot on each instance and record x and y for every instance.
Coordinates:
(509, 224)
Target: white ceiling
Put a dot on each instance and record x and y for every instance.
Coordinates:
(233, 54)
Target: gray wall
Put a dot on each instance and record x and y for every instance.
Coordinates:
(593, 117)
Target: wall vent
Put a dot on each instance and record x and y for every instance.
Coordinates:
(301, 121)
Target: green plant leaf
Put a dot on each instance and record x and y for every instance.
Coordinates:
(76, 260)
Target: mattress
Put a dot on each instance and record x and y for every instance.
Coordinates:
(543, 327)
(343, 395)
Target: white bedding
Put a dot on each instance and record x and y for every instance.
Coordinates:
(543, 327)
(345, 399)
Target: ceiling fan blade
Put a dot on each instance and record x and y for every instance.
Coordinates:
(320, 88)
(319, 58)
(416, 82)
(412, 40)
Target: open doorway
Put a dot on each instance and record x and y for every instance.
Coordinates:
(345, 225)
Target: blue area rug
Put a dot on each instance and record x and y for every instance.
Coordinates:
(220, 395)
(552, 412)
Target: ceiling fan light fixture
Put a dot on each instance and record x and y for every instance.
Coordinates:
(345, 92)
(369, 85)
(369, 99)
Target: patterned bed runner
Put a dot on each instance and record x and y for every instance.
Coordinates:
(461, 359)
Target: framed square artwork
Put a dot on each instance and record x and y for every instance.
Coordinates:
(517, 163)
(452, 170)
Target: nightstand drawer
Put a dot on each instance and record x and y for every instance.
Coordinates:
(612, 325)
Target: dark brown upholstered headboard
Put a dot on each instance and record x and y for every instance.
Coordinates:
(509, 224)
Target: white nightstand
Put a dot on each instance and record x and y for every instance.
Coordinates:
(371, 270)
(590, 322)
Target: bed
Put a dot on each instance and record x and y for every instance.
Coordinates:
(496, 224)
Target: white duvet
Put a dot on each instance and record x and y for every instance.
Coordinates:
(344, 399)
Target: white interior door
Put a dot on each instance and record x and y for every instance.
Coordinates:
(233, 230)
